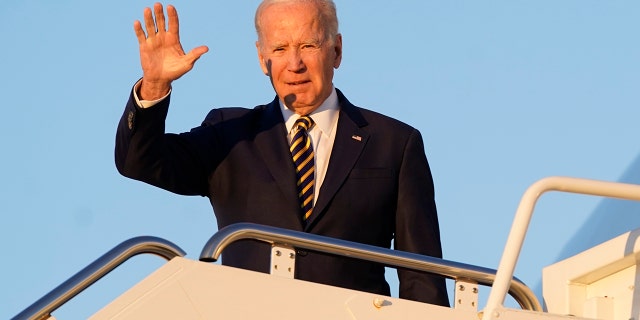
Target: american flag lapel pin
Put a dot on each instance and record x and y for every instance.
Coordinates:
(356, 137)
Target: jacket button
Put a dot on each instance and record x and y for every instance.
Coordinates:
(301, 253)
(130, 120)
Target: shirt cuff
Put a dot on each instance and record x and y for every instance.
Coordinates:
(146, 103)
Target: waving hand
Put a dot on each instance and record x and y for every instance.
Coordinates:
(161, 55)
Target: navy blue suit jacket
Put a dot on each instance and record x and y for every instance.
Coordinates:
(378, 187)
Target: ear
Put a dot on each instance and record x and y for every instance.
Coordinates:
(338, 50)
(263, 62)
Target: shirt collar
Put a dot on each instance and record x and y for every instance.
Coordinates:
(324, 117)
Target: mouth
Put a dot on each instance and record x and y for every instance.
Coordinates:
(297, 83)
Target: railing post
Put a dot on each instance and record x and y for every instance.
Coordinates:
(523, 218)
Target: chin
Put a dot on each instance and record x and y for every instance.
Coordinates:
(301, 99)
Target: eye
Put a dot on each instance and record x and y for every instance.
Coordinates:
(280, 49)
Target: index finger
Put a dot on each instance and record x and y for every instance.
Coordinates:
(174, 25)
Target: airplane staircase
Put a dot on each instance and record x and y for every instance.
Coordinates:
(186, 289)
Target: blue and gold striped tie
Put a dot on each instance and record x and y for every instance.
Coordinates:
(302, 153)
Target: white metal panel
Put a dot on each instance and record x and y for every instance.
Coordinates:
(186, 289)
(602, 282)
(283, 261)
(466, 295)
(502, 313)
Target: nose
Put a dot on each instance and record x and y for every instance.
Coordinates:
(295, 62)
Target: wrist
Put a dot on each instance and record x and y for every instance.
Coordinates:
(153, 90)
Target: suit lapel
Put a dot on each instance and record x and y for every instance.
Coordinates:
(271, 141)
(349, 142)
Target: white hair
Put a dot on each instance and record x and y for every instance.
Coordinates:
(328, 15)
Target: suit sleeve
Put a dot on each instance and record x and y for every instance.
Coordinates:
(417, 228)
(144, 152)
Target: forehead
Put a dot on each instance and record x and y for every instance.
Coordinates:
(291, 21)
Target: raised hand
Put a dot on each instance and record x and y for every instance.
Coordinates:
(161, 55)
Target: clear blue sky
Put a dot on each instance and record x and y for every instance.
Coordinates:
(504, 93)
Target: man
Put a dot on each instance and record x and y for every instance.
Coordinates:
(355, 174)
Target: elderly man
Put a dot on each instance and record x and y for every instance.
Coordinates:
(309, 160)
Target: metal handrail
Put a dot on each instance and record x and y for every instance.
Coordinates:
(523, 217)
(449, 269)
(42, 308)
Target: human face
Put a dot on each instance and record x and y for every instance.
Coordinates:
(296, 54)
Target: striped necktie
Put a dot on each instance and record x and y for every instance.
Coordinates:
(302, 153)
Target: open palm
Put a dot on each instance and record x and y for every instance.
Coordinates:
(161, 55)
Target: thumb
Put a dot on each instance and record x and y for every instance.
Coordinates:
(196, 53)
